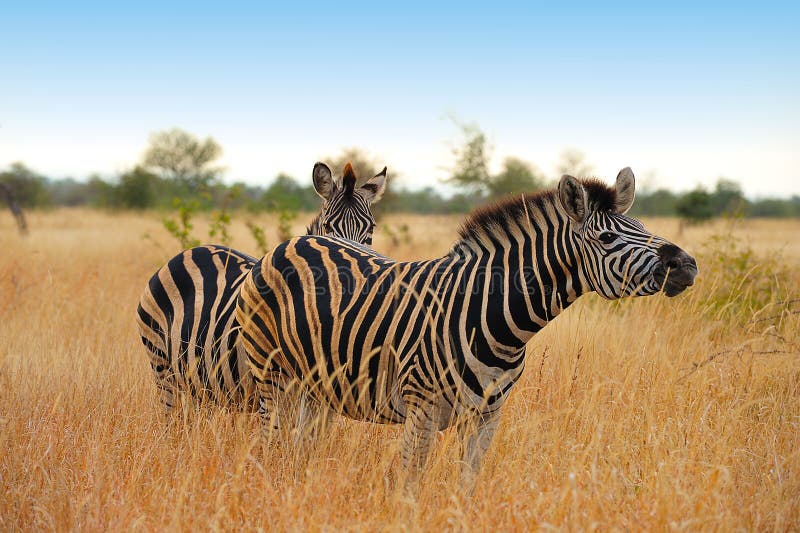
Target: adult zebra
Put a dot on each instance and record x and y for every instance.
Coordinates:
(186, 314)
(431, 344)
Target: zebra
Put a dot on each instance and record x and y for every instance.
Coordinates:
(186, 313)
(439, 343)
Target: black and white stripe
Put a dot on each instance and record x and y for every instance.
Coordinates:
(186, 314)
(431, 344)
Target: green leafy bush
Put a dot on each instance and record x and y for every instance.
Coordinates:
(741, 284)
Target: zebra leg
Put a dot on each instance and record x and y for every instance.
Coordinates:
(311, 420)
(155, 344)
(419, 436)
(476, 434)
(271, 388)
(166, 381)
(168, 391)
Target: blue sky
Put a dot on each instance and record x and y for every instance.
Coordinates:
(682, 93)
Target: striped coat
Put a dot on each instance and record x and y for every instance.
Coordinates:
(436, 343)
(186, 313)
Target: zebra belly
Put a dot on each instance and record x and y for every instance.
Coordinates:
(368, 390)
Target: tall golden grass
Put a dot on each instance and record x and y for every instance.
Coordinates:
(648, 414)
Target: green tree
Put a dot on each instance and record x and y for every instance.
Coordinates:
(471, 171)
(657, 203)
(425, 200)
(462, 203)
(775, 207)
(29, 188)
(100, 193)
(283, 193)
(728, 198)
(517, 176)
(695, 206)
(137, 189)
(180, 156)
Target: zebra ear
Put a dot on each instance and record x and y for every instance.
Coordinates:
(572, 198)
(626, 191)
(373, 190)
(323, 180)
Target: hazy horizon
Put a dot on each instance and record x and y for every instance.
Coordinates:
(683, 94)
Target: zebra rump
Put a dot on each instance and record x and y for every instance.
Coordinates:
(186, 313)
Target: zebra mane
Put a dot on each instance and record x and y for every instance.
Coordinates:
(601, 196)
(502, 213)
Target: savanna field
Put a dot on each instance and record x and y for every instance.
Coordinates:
(650, 414)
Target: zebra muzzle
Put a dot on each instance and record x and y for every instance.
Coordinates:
(677, 270)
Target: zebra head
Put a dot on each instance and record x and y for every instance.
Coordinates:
(620, 257)
(346, 209)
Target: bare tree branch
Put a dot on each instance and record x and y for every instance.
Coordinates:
(16, 210)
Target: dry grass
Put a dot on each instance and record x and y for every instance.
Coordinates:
(679, 414)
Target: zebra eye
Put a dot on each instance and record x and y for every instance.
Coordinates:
(327, 228)
(607, 237)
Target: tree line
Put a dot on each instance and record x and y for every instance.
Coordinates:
(178, 167)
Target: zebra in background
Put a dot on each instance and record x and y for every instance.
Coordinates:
(186, 314)
(432, 344)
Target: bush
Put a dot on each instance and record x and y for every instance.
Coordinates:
(741, 283)
(137, 189)
(695, 206)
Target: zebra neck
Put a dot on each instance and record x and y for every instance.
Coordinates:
(522, 274)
